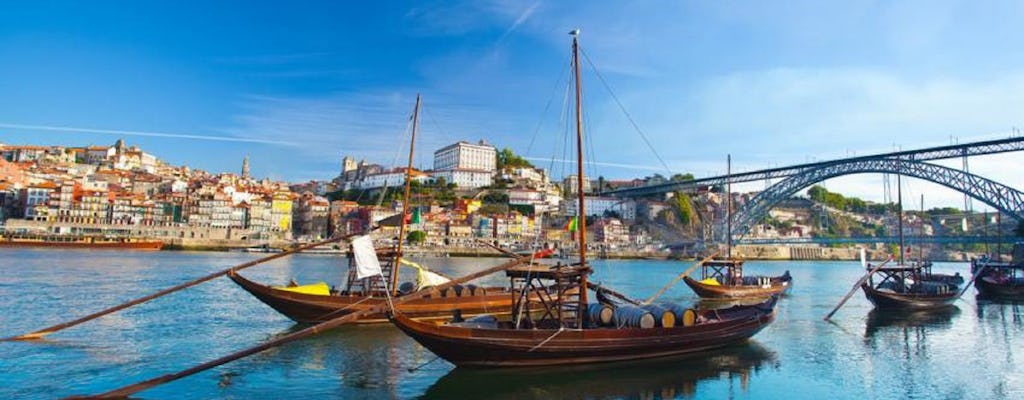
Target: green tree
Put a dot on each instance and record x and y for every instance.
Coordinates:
(507, 159)
(682, 177)
(416, 237)
(684, 208)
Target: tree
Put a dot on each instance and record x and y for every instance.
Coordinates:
(416, 237)
(506, 159)
(682, 177)
(1020, 229)
(684, 208)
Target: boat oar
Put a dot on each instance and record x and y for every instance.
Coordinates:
(620, 296)
(321, 327)
(680, 277)
(51, 329)
(855, 287)
(974, 276)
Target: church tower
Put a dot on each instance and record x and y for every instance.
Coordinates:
(245, 167)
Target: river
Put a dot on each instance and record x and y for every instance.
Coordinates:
(967, 353)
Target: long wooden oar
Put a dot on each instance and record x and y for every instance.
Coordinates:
(51, 329)
(620, 296)
(679, 278)
(974, 276)
(321, 327)
(855, 287)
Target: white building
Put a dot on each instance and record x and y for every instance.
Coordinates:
(465, 178)
(465, 155)
(393, 179)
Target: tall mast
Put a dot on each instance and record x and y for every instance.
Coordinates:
(405, 199)
(899, 206)
(728, 206)
(581, 216)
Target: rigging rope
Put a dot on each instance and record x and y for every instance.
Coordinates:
(623, 108)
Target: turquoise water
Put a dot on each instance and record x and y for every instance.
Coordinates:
(967, 353)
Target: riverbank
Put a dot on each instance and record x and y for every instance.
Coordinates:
(748, 252)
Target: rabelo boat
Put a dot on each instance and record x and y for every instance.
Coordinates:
(563, 332)
(318, 302)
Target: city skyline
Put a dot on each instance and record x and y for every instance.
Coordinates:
(298, 88)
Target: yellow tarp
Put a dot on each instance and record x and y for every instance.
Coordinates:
(319, 289)
(710, 281)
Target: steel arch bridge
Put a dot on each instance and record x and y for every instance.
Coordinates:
(1001, 197)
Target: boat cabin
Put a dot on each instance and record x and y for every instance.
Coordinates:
(548, 297)
(723, 272)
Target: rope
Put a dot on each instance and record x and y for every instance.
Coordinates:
(335, 312)
(623, 108)
(416, 368)
(560, 330)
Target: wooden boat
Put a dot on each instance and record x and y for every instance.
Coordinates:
(999, 280)
(553, 341)
(318, 306)
(562, 332)
(671, 378)
(81, 242)
(319, 303)
(908, 287)
(723, 279)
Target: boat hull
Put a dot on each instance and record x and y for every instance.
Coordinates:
(85, 244)
(779, 286)
(908, 301)
(493, 347)
(988, 286)
(311, 309)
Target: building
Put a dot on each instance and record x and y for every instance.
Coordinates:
(465, 178)
(465, 155)
(467, 165)
(570, 185)
(394, 178)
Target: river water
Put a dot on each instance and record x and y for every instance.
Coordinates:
(970, 352)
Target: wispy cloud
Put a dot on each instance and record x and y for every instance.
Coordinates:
(520, 20)
(373, 125)
(68, 129)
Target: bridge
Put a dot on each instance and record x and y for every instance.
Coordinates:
(911, 163)
(910, 240)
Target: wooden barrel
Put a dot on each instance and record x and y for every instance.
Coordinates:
(599, 314)
(662, 317)
(633, 317)
(475, 290)
(689, 317)
(676, 309)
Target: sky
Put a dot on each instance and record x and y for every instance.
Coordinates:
(297, 86)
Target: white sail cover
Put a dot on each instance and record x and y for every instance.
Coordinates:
(367, 264)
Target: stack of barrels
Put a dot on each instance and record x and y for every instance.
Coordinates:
(662, 315)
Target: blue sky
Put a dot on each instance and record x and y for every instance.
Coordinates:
(296, 86)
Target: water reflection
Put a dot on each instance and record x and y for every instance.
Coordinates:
(882, 321)
(665, 379)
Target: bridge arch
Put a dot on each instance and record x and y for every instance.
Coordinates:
(1001, 197)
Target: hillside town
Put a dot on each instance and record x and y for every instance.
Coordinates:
(473, 193)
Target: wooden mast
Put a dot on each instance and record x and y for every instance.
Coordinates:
(728, 206)
(899, 205)
(581, 215)
(396, 264)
